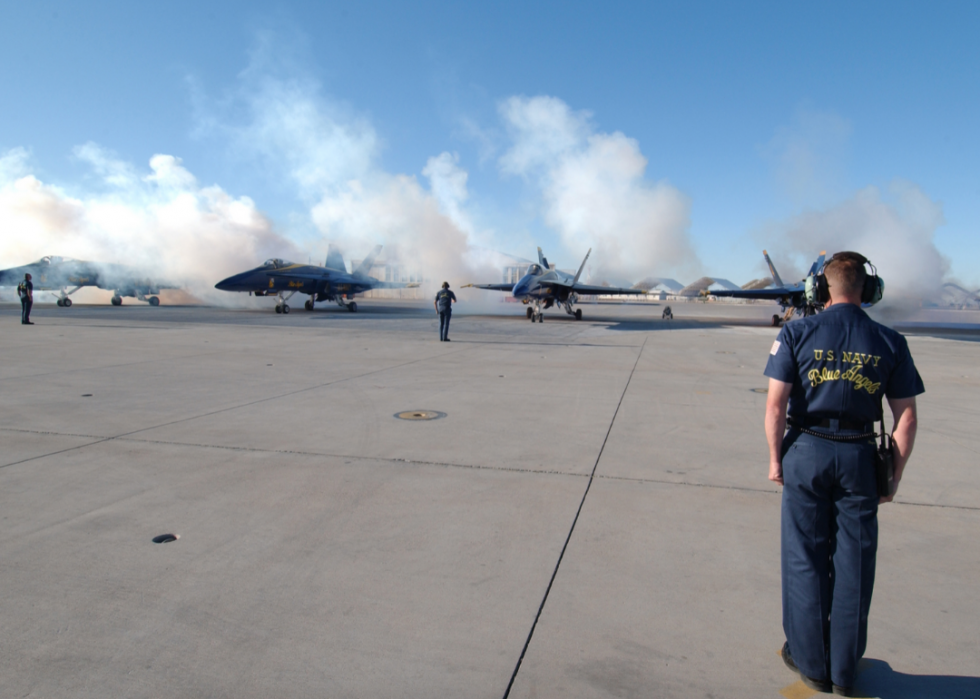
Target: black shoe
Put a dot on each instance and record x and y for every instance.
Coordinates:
(843, 691)
(448, 340)
(819, 685)
(26, 322)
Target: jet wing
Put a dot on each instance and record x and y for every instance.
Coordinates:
(592, 290)
(489, 287)
(342, 278)
(302, 275)
(771, 294)
(392, 285)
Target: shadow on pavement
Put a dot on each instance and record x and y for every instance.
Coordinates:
(682, 324)
(877, 679)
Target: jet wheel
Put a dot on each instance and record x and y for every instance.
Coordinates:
(285, 308)
(66, 303)
(308, 305)
(530, 314)
(58, 302)
(540, 317)
(278, 309)
(154, 301)
(116, 300)
(352, 307)
(578, 314)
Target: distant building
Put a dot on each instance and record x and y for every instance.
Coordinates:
(707, 284)
(957, 297)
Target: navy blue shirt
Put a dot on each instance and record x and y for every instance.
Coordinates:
(841, 363)
(444, 299)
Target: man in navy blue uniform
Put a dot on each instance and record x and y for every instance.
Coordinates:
(444, 307)
(26, 292)
(831, 371)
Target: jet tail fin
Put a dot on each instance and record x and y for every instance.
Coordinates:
(772, 269)
(368, 262)
(335, 260)
(818, 264)
(581, 267)
(543, 260)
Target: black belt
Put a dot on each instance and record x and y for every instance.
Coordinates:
(835, 426)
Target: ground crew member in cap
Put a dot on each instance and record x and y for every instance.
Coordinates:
(26, 292)
(831, 371)
(444, 307)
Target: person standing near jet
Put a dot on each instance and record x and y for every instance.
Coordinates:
(444, 307)
(832, 370)
(26, 292)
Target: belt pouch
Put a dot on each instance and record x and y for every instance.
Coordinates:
(885, 465)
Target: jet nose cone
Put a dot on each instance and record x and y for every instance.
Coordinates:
(230, 284)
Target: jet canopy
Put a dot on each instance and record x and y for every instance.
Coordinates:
(51, 259)
(276, 263)
(534, 269)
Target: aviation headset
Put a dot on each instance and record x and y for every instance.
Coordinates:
(818, 292)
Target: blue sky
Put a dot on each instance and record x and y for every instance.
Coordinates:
(760, 124)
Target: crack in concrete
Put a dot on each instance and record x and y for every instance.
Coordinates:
(568, 538)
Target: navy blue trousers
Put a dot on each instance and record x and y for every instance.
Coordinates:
(25, 310)
(444, 317)
(829, 544)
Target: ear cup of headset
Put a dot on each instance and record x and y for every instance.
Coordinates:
(874, 289)
(815, 291)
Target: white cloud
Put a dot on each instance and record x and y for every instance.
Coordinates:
(13, 164)
(162, 223)
(895, 229)
(594, 190)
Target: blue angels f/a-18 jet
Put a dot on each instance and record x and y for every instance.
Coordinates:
(66, 276)
(792, 297)
(332, 282)
(541, 287)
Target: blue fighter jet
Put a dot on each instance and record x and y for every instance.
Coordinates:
(791, 298)
(541, 287)
(66, 276)
(332, 282)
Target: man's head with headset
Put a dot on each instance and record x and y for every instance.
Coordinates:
(844, 279)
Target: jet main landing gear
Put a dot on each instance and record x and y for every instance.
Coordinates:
(349, 305)
(567, 305)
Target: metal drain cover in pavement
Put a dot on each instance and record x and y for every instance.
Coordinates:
(760, 390)
(419, 415)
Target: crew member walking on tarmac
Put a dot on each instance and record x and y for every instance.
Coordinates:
(26, 292)
(832, 370)
(444, 307)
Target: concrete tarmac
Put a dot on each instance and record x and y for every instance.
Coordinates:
(590, 518)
